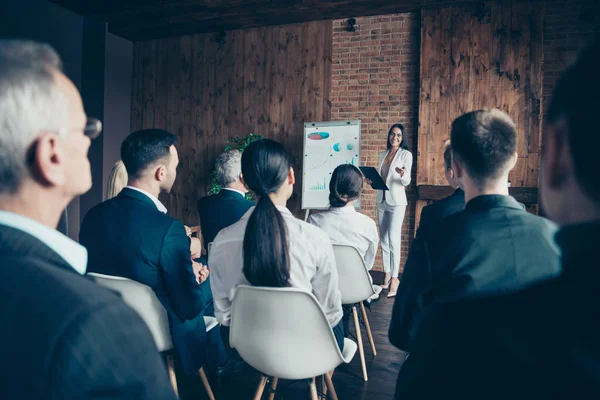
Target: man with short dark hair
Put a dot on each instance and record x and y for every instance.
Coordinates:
(131, 236)
(407, 306)
(492, 246)
(63, 336)
(541, 342)
(229, 205)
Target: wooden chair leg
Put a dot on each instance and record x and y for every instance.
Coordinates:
(273, 387)
(360, 343)
(172, 375)
(313, 390)
(261, 388)
(329, 383)
(207, 387)
(368, 326)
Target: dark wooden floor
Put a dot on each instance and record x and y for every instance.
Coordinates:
(382, 370)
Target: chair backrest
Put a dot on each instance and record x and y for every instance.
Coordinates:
(282, 332)
(143, 300)
(354, 280)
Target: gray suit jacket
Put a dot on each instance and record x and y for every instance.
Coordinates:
(64, 337)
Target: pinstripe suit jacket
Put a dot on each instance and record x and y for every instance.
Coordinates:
(64, 337)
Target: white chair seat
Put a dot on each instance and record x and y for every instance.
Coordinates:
(210, 322)
(349, 351)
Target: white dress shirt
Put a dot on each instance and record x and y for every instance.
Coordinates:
(396, 196)
(236, 191)
(161, 207)
(72, 252)
(312, 265)
(344, 225)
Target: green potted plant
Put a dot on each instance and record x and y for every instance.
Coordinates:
(238, 143)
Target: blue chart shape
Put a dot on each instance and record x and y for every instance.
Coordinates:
(337, 147)
(350, 146)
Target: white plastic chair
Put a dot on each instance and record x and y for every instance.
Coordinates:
(143, 300)
(283, 333)
(356, 286)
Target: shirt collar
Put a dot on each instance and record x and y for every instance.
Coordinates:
(489, 201)
(343, 209)
(282, 209)
(72, 252)
(160, 206)
(235, 190)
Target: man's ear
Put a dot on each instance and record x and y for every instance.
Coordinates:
(457, 168)
(291, 176)
(244, 182)
(47, 157)
(160, 173)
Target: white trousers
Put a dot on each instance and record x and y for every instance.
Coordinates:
(390, 220)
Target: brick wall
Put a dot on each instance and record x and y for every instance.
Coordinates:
(375, 75)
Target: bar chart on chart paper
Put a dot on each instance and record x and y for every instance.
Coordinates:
(319, 186)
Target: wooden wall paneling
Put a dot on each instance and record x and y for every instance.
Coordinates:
(476, 58)
(266, 80)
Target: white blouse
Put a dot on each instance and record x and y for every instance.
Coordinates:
(312, 265)
(344, 225)
(396, 196)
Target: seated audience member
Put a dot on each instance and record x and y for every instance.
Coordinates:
(64, 337)
(541, 342)
(269, 246)
(229, 205)
(117, 181)
(492, 246)
(342, 223)
(132, 236)
(406, 304)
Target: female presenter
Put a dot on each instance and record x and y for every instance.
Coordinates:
(394, 167)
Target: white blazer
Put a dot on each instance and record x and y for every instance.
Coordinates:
(396, 196)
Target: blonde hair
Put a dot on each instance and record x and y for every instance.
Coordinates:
(117, 180)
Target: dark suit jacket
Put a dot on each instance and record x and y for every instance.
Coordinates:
(219, 211)
(127, 236)
(539, 343)
(64, 337)
(492, 246)
(406, 305)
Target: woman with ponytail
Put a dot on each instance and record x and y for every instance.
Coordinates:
(269, 246)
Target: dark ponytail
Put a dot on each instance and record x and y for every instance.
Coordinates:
(265, 167)
(346, 185)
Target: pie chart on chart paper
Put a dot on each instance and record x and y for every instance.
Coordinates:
(318, 135)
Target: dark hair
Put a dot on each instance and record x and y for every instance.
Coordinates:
(265, 167)
(575, 99)
(448, 156)
(346, 185)
(404, 142)
(143, 148)
(484, 140)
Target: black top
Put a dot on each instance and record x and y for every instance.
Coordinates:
(539, 343)
(64, 337)
(493, 246)
(219, 211)
(127, 236)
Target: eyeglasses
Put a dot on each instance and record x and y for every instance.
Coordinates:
(92, 129)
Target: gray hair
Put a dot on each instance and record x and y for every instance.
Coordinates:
(30, 103)
(229, 167)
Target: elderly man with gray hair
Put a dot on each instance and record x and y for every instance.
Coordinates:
(64, 337)
(229, 205)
